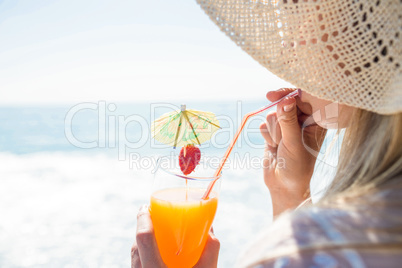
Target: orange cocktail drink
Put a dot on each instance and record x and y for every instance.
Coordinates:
(182, 221)
(181, 218)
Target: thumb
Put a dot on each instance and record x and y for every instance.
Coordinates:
(145, 238)
(288, 121)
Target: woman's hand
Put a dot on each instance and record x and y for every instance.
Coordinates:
(289, 155)
(145, 253)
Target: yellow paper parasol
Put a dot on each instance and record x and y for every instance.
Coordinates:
(184, 127)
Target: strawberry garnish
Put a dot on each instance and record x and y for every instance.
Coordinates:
(189, 158)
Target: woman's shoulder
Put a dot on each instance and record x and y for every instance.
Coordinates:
(315, 235)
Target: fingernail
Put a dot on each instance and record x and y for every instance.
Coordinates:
(289, 107)
(299, 92)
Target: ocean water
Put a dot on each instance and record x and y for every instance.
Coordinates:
(74, 176)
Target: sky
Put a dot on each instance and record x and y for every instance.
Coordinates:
(69, 51)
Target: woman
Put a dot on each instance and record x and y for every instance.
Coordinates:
(346, 56)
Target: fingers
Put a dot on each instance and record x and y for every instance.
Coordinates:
(280, 93)
(266, 135)
(274, 128)
(145, 239)
(209, 257)
(135, 256)
(271, 131)
(288, 121)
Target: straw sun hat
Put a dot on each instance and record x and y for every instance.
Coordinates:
(348, 51)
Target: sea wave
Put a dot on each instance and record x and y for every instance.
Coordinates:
(71, 209)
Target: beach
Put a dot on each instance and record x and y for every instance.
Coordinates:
(70, 210)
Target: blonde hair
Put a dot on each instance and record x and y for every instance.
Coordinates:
(370, 157)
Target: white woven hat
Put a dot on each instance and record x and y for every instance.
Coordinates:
(348, 51)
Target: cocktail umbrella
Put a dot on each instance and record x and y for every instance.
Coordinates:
(184, 127)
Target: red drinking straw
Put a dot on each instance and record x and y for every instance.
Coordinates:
(239, 130)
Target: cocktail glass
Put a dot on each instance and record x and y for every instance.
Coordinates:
(181, 217)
